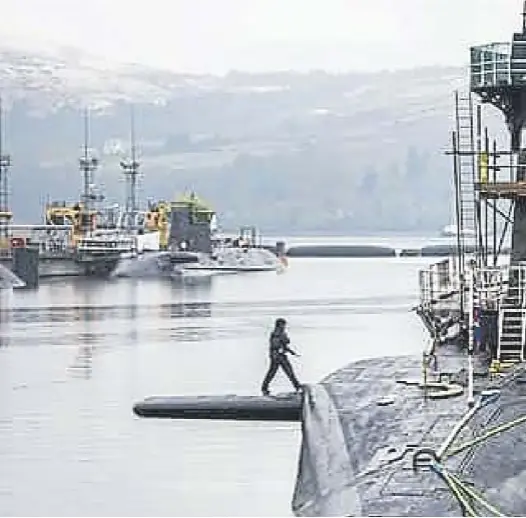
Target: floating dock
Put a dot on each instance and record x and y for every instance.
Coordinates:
(282, 407)
(375, 251)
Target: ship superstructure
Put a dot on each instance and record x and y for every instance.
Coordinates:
(490, 190)
(482, 293)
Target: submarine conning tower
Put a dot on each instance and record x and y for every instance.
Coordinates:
(498, 77)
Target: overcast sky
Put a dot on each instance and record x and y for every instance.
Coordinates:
(257, 35)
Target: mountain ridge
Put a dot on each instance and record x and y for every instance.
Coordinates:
(286, 151)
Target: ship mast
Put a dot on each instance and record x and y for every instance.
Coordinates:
(130, 167)
(5, 213)
(88, 164)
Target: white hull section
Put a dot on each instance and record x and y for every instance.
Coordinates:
(223, 261)
(230, 259)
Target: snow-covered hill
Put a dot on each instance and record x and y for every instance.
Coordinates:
(282, 149)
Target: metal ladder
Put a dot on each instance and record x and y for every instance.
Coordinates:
(467, 224)
(512, 318)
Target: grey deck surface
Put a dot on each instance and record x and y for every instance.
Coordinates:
(356, 455)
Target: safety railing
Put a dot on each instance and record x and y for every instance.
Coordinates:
(438, 281)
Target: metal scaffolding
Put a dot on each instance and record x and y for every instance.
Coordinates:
(5, 212)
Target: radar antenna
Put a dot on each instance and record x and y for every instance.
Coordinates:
(130, 167)
(88, 165)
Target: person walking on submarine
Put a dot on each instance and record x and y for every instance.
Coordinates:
(279, 347)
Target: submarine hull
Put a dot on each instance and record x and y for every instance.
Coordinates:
(370, 434)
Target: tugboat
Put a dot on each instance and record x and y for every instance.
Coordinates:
(96, 250)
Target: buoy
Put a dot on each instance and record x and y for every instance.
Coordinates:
(281, 407)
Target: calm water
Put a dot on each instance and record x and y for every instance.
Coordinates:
(75, 356)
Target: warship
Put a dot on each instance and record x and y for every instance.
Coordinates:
(439, 434)
(177, 239)
(69, 243)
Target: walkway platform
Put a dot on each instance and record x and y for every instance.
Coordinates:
(282, 407)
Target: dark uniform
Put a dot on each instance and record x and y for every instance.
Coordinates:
(279, 347)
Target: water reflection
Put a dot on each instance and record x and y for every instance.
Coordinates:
(74, 446)
(186, 310)
(5, 317)
(199, 282)
(82, 365)
(193, 297)
(133, 311)
(193, 303)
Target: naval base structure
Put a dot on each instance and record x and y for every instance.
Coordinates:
(442, 434)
